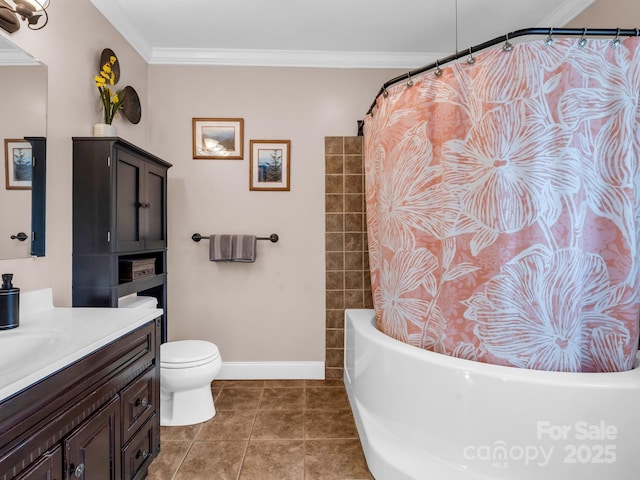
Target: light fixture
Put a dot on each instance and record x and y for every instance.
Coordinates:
(34, 12)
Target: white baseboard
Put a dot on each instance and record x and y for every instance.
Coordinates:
(271, 371)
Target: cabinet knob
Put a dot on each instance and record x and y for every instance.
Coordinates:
(144, 402)
(78, 471)
(142, 453)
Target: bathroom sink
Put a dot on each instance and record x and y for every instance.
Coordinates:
(22, 350)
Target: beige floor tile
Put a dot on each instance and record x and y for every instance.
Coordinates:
(278, 425)
(208, 460)
(234, 398)
(187, 432)
(166, 464)
(335, 460)
(282, 399)
(326, 398)
(273, 460)
(228, 425)
(320, 424)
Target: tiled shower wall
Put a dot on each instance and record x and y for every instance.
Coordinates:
(348, 283)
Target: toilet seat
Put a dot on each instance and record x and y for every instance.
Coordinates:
(187, 353)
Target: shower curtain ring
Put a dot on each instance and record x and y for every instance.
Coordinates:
(615, 43)
(583, 41)
(409, 81)
(549, 41)
(470, 59)
(507, 47)
(438, 71)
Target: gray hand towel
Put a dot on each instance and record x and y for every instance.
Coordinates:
(221, 248)
(244, 248)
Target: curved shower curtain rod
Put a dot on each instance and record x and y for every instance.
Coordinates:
(598, 32)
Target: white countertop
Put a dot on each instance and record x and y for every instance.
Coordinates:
(50, 339)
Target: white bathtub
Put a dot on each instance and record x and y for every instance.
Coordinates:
(422, 415)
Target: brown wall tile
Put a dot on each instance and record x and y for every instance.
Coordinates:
(334, 164)
(352, 183)
(335, 299)
(335, 145)
(353, 242)
(334, 222)
(334, 242)
(353, 164)
(354, 222)
(333, 183)
(353, 203)
(348, 281)
(335, 280)
(353, 145)
(335, 338)
(353, 299)
(353, 280)
(334, 260)
(334, 203)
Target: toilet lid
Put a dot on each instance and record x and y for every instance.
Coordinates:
(187, 353)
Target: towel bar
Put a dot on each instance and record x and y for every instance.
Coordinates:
(196, 237)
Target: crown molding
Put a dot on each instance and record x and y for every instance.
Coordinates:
(290, 58)
(119, 20)
(566, 11)
(16, 58)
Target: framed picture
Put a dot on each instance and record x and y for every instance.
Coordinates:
(18, 164)
(218, 138)
(270, 165)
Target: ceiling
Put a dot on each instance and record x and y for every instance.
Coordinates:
(328, 33)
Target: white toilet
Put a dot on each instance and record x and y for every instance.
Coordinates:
(187, 368)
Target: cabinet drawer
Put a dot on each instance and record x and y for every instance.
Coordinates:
(137, 403)
(137, 455)
(47, 467)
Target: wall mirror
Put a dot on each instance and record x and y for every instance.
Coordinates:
(23, 130)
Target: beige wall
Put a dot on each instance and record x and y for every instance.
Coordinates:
(274, 309)
(609, 14)
(70, 46)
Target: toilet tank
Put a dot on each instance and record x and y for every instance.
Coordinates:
(137, 301)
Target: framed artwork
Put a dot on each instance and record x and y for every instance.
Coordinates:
(270, 165)
(218, 138)
(18, 159)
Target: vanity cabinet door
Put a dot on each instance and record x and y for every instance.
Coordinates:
(47, 467)
(155, 210)
(140, 203)
(93, 449)
(129, 200)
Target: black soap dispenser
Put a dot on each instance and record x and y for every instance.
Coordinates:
(9, 303)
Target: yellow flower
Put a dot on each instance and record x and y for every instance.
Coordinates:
(111, 102)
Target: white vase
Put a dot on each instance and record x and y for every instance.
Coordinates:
(104, 130)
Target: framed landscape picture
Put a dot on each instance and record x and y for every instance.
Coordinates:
(270, 165)
(18, 164)
(218, 138)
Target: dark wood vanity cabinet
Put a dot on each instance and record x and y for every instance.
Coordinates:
(119, 215)
(98, 418)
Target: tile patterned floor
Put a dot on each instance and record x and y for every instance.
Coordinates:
(267, 430)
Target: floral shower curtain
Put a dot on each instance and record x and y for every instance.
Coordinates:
(503, 205)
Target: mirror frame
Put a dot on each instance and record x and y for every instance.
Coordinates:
(38, 195)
